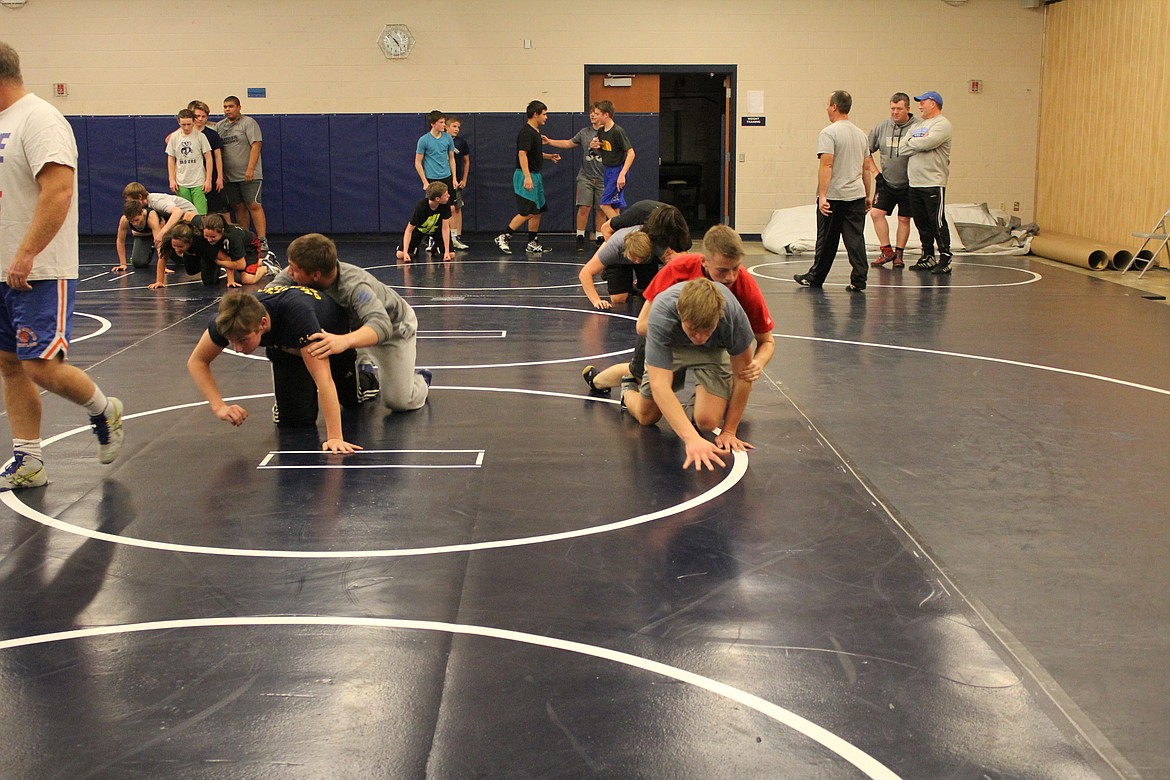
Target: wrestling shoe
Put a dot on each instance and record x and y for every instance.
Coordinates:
(108, 429)
(24, 471)
(580, 242)
(425, 374)
(855, 288)
(276, 414)
(536, 248)
(264, 245)
(459, 245)
(589, 373)
(943, 267)
(368, 384)
(887, 256)
(502, 243)
(898, 261)
(925, 263)
(270, 263)
(804, 281)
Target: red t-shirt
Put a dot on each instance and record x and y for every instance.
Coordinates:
(683, 268)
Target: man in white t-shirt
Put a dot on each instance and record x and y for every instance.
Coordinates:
(38, 261)
(844, 195)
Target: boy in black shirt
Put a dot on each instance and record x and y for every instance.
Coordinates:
(283, 320)
(431, 216)
(527, 182)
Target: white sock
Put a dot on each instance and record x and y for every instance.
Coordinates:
(30, 447)
(97, 405)
(581, 233)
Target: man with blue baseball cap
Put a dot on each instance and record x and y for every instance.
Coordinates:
(928, 170)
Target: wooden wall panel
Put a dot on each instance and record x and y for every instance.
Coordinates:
(1103, 167)
(640, 98)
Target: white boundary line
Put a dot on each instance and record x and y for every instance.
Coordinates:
(103, 323)
(1035, 278)
(735, 474)
(966, 356)
(462, 334)
(864, 762)
(268, 458)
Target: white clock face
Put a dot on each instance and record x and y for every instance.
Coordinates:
(396, 40)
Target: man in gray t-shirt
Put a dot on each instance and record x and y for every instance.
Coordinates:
(243, 172)
(844, 194)
(697, 326)
(591, 178)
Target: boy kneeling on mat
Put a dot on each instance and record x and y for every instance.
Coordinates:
(283, 320)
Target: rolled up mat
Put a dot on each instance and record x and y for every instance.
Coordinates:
(1073, 250)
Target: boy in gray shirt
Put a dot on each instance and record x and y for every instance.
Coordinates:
(382, 324)
(697, 326)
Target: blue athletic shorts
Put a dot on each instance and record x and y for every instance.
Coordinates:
(38, 324)
(611, 195)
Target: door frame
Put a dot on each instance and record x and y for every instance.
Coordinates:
(731, 78)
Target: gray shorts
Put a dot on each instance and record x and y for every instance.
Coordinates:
(712, 369)
(589, 192)
(235, 192)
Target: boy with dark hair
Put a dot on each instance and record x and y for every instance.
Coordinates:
(617, 154)
(171, 209)
(459, 173)
(434, 154)
(431, 217)
(382, 325)
(695, 326)
(189, 162)
(283, 320)
(142, 226)
(527, 182)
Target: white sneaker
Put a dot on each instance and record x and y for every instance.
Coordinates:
(24, 471)
(502, 243)
(108, 429)
(457, 244)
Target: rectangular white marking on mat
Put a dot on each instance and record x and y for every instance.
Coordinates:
(462, 334)
(373, 459)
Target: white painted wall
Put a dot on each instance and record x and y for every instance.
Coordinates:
(320, 56)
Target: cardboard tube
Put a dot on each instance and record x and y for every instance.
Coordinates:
(1073, 250)
(1120, 258)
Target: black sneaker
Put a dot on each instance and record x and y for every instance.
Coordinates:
(944, 266)
(580, 242)
(804, 281)
(925, 263)
(855, 288)
(425, 374)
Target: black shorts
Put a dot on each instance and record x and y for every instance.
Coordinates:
(619, 279)
(528, 208)
(887, 198)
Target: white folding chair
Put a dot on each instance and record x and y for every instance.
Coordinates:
(1161, 232)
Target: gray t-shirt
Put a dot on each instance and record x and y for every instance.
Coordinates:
(592, 167)
(849, 147)
(238, 138)
(664, 328)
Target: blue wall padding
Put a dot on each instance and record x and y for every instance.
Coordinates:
(150, 145)
(399, 186)
(272, 195)
(353, 156)
(84, 223)
(354, 173)
(305, 175)
(111, 163)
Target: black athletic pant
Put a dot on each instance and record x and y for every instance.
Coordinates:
(845, 221)
(928, 204)
(296, 392)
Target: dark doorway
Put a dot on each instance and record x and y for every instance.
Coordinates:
(695, 106)
(692, 145)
